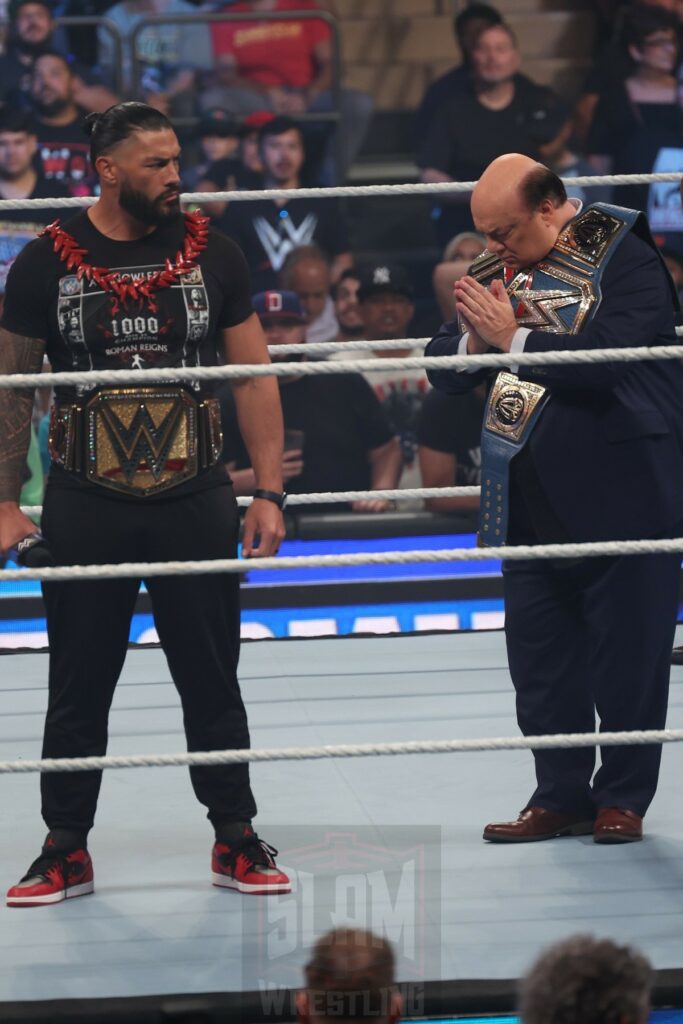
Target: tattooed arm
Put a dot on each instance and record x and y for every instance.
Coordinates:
(18, 354)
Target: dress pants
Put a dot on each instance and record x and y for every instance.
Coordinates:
(593, 635)
(197, 618)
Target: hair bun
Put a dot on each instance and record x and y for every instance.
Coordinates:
(89, 123)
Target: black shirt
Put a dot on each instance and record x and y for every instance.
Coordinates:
(452, 424)
(465, 136)
(18, 227)
(86, 328)
(267, 233)
(341, 419)
(64, 153)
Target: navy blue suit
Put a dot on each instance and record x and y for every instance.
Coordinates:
(604, 462)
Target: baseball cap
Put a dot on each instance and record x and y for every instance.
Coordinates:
(252, 122)
(384, 277)
(218, 122)
(279, 305)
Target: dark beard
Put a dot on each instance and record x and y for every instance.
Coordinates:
(52, 108)
(147, 211)
(352, 332)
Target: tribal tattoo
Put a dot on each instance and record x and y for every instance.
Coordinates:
(18, 354)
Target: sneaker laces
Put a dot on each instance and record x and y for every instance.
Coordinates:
(257, 852)
(42, 865)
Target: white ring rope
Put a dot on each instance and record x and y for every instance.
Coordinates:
(240, 371)
(519, 552)
(333, 497)
(560, 741)
(342, 191)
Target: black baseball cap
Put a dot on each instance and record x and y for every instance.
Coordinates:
(384, 277)
(218, 122)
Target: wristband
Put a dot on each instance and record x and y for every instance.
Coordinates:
(278, 499)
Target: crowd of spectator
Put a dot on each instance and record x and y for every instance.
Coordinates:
(245, 94)
(579, 980)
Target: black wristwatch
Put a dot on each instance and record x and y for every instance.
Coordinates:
(278, 499)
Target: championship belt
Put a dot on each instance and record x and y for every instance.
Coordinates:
(137, 441)
(512, 411)
(561, 293)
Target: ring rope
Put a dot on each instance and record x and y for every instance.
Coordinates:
(333, 497)
(202, 373)
(196, 567)
(559, 741)
(343, 191)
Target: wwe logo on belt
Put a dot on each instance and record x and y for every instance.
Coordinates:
(142, 444)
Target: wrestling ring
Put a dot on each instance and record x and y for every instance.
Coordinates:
(397, 849)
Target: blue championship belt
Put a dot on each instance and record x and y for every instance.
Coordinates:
(560, 294)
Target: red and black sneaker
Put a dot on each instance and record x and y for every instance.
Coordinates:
(54, 877)
(248, 865)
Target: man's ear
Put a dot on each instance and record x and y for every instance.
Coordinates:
(396, 1007)
(302, 1008)
(107, 170)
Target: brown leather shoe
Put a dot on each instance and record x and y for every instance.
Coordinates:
(616, 825)
(535, 824)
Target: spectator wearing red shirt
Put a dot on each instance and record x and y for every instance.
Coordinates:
(285, 65)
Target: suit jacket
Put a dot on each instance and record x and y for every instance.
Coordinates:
(608, 448)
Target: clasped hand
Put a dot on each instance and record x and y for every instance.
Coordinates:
(487, 312)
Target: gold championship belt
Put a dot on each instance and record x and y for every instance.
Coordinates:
(137, 441)
(560, 293)
(510, 409)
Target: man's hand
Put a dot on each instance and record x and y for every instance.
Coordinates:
(371, 505)
(14, 525)
(263, 522)
(292, 464)
(489, 311)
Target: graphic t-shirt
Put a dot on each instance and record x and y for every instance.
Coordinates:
(341, 421)
(452, 424)
(267, 233)
(64, 153)
(272, 52)
(19, 227)
(86, 328)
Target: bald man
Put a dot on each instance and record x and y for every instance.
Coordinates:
(570, 454)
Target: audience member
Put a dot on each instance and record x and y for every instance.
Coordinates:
(612, 65)
(501, 111)
(340, 437)
(584, 980)
(62, 145)
(218, 140)
(19, 179)
(449, 447)
(171, 56)
(460, 252)
(267, 231)
(286, 67)
(386, 298)
(347, 307)
(243, 169)
(640, 115)
(466, 26)
(350, 976)
(306, 271)
(31, 31)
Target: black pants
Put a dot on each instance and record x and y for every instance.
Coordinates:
(592, 637)
(197, 618)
